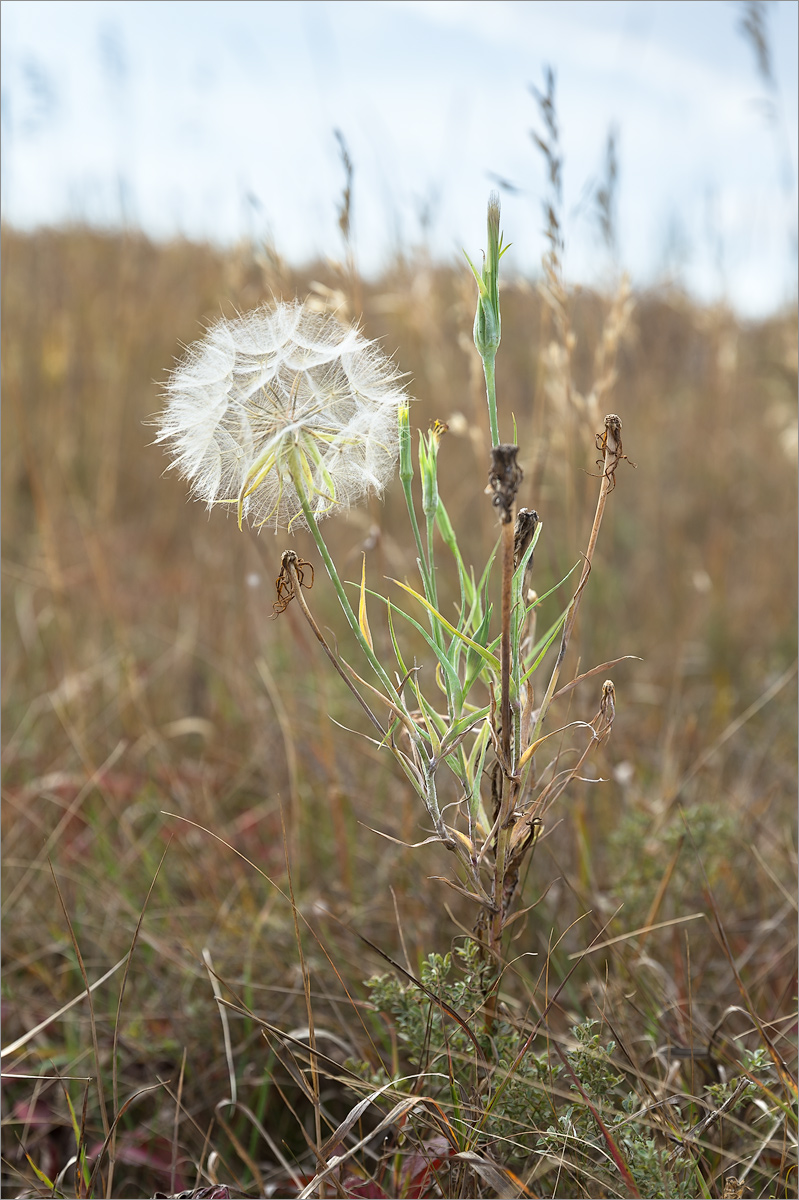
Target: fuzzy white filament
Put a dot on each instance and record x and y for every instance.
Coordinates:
(277, 401)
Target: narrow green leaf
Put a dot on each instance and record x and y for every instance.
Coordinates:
(451, 541)
(491, 660)
(473, 662)
(462, 724)
(454, 765)
(483, 584)
(48, 1183)
(394, 642)
(545, 643)
(431, 718)
(452, 675)
(476, 764)
(478, 277)
(518, 574)
(73, 1117)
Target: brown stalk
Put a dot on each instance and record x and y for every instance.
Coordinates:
(611, 445)
(292, 589)
(507, 579)
(509, 784)
(503, 483)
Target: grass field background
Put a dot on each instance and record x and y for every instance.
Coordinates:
(154, 713)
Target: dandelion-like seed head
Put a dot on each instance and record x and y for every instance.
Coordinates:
(278, 402)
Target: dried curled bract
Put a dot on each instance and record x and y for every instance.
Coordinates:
(292, 576)
(610, 446)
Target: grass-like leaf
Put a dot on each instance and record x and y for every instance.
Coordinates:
(490, 659)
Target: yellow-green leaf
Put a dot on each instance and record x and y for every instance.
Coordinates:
(486, 655)
(363, 620)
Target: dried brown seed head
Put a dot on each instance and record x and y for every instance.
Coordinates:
(504, 479)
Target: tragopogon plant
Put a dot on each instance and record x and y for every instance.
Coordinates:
(286, 416)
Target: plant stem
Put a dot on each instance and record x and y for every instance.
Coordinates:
(431, 526)
(433, 598)
(408, 490)
(489, 363)
(605, 487)
(507, 581)
(426, 564)
(509, 748)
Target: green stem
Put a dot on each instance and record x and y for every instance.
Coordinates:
(431, 525)
(408, 490)
(489, 362)
(426, 566)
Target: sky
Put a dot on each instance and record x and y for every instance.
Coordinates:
(216, 119)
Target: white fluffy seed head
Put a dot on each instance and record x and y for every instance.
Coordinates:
(278, 396)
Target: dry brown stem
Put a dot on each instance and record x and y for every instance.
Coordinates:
(611, 444)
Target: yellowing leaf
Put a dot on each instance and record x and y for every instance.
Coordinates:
(363, 620)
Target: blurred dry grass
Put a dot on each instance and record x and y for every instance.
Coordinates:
(134, 626)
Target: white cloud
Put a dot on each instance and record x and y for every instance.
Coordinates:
(197, 105)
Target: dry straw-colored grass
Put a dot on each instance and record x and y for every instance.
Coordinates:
(143, 676)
